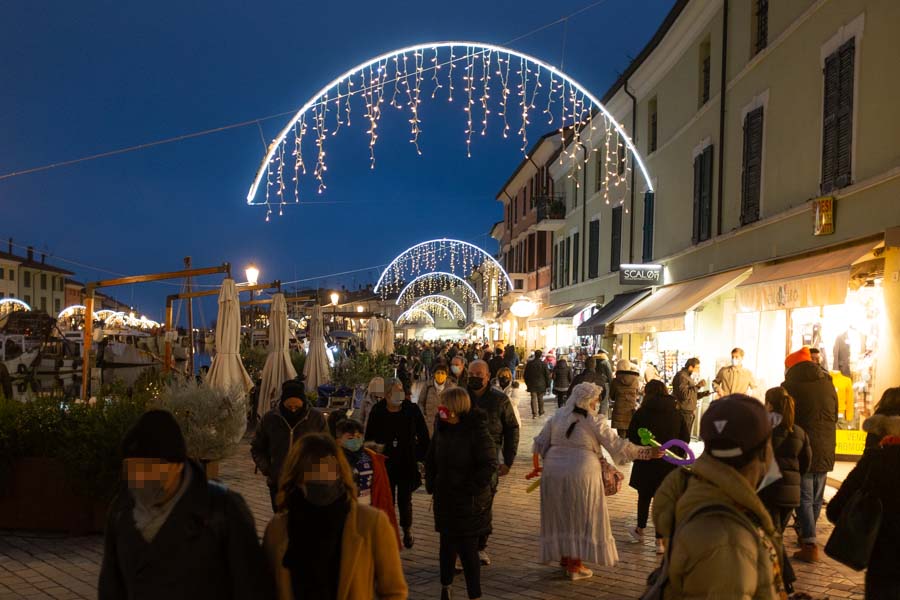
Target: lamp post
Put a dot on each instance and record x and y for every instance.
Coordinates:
(252, 278)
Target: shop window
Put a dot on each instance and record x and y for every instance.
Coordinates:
(703, 195)
(594, 249)
(837, 126)
(615, 238)
(705, 71)
(651, 125)
(647, 252)
(751, 176)
(575, 251)
(759, 26)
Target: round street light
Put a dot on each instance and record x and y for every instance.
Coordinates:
(334, 298)
(523, 307)
(252, 274)
(360, 308)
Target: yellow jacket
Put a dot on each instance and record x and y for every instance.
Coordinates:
(370, 559)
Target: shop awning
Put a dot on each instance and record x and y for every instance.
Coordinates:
(664, 310)
(561, 312)
(820, 280)
(608, 313)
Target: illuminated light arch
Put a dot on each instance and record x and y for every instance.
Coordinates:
(469, 290)
(406, 69)
(12, 304)
(102, 315)
(434, 307)
(444, 301)
(416, 315)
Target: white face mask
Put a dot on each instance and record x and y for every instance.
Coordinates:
(775, 419)
(736, 362)
(772, 475)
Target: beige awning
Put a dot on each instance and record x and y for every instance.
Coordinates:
(664, 310)
(560, 312)
(820, 280)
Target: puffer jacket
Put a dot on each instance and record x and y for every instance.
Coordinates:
(537, 376)
(794, 455)
(459, 470)
(429, 400)
(562, 376)
(501, 421)
(816, 404)
(729, 550)
(275, 436)
(624, 392)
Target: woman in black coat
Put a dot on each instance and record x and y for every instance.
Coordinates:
(459, 468)
(659, 415)
(888, 406)
(562, 381)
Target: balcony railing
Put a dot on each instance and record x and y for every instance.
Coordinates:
(550, 207)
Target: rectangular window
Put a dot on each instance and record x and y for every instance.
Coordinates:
(524, 201)
(647, 252)
(2, 274)
(554, 269)
(531, 193)
(705, 71)
(751, 176)
(542, 248)
(651, 125)
(27, 281)
(43, 281)
(622, 157)
(837, 126)
(56, 306)
(703, 196)
(593, 249)
(573, 189)
(576, 243)
(600, 168)
(759, 32)
(561, 270)
(43, 303)
(516, 210)
(28, 299)
(615, 239)
(532, 253)
(12, 275)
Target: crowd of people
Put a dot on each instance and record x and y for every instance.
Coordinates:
(337, 484)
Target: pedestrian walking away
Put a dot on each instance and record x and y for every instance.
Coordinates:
(816, 406)
(537, 380)
(660, 416)
(878, 474)
(562, 380)
(591, 375)
(722, 543)
(323, 543)
(280, 428)
(502, 425)
(172, 534)
(397, 426)
(428, 398)
(575, 525)
(687, 392)
(624, 392)
(459, 470)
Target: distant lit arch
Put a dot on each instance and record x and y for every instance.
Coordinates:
(445, 301)
(415, 315)
(410, 288)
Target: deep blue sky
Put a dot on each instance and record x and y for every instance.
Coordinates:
(80, 78)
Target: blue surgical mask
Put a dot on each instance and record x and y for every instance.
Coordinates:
(352, 444)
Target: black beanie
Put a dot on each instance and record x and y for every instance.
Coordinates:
(155, 435)
(293, 388)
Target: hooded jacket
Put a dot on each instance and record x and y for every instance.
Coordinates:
(794, 455)
(459, 470)
(624, 392)
(816, 405)
(275, 435)
(729, 550)
(877, 470)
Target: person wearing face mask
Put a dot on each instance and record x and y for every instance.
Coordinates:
(458, 374)
(368, 468)
(504, 383)
(280, 428)
(722, 542)
(502, 425)
(428, 398)
(575, 524)
(397, 425)
(172, 534)
(734, 378)
(323, 544)
(794, 455)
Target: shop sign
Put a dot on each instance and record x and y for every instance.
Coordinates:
(850, 443)
(640, 274)
(823, 212)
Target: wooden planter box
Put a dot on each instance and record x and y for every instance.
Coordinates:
(39, 497)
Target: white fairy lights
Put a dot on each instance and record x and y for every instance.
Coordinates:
(447, 302)
(406, 69)
(433, 283)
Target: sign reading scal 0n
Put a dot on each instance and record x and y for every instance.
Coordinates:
(640, 274)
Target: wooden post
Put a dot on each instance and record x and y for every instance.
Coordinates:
(167, 360)
(88, 338)
(190, 319)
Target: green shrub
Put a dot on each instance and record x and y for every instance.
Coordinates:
(360, 369)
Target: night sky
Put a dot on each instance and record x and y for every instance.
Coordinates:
(81, 78)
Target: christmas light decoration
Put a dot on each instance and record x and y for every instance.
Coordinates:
(415, 316)
(433, 283)
(450, 304)
(8, 305)
(402, 73)
(450, 257)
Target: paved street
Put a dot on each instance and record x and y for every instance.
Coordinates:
(39, 565)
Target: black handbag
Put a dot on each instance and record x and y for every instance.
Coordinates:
(854, 535)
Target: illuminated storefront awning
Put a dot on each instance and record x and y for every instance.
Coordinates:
(664, 310)
(561, 312)
(609, 312)
(820, 280)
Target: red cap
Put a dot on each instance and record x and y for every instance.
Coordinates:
(801, 355)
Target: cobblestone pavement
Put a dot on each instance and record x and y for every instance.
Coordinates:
(40, 565)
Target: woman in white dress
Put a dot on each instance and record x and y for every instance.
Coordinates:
(574, 512)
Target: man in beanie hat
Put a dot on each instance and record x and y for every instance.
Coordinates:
(280, 428)
(816, 411)
(722, 543)
(172, 534)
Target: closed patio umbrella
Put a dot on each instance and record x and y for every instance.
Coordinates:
(388, 338)
(371, 335)
(279, 367)
(316, 368)
(227, 371)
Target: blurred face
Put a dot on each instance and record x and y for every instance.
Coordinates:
(293, 404)
(324, 471)
(479, 372)
(440, 377)
(152, 481)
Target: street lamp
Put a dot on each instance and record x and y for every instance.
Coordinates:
(335, 297)
(252, 278)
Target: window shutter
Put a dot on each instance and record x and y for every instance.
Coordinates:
(568, 278)
(554, 269)
(762, 24)
(698, 175)
(845, 114)
(542, 248)
(647, 254)
(576, 243)
(829, 123)
(594, 249)
(532, 252)
(706, 195)
(615, 257)
(752, 166)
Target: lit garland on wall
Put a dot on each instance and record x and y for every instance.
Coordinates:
(433, 300)
(433, 283)
(402, 73)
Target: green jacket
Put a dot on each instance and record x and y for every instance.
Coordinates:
(720, 554)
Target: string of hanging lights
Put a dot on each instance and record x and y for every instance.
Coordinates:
(433, 300)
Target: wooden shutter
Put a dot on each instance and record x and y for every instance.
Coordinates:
(566, 266)
(616, 239)
(762, 24)
(706, 194)
(752, 166)
(554, 269)
(532, 253)
(576, 243)
(542, 248)
(594, 249)
(837, 121)
(698, 175)
(845, 114)
(649, 200)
